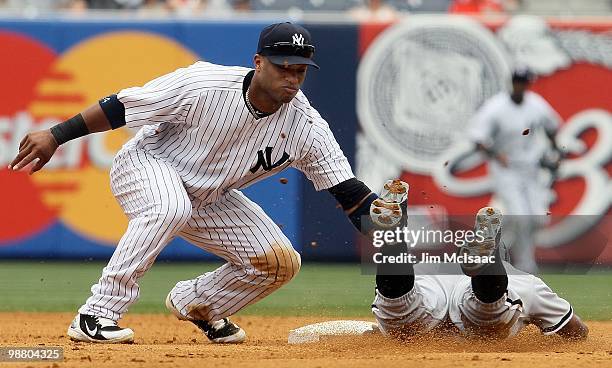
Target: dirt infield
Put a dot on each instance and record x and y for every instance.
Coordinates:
(163, 341)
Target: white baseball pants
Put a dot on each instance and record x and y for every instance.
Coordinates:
(260, 258)
(524, 202)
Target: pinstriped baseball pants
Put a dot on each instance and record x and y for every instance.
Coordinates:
(260, 258)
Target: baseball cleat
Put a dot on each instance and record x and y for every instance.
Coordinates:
(89, 328)
(388, 210)
(488, 226)
(222, 331)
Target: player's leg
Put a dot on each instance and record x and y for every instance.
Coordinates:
(153, 197)
(260, 259)
(482, 307)
(396, 305)
(514, 191)
(523, 221)
(535, 206)
(490, 304)
(394, 280)
(404, 305)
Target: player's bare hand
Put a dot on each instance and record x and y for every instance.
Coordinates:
(38, 146)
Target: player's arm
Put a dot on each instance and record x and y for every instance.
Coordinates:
(552, 158)
(575, 329)
(108, 114)
(355, 198)
(551, 122)
(550, 134)
(372, 213)
(360, 203)
(482, 129)
(487, 150)
(553, 314)
(551, 126)
(112, 112)
(324, 163)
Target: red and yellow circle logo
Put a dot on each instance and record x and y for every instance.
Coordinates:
(46, 89)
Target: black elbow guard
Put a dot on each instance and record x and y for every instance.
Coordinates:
(114, 111)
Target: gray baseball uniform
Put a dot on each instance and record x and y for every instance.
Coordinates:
(515, 131)
(439, 298)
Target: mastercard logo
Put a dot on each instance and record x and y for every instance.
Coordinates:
(45, 89)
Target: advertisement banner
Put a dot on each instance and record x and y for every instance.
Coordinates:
(420, 82)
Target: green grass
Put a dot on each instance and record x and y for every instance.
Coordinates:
(590, 294)
(319, 289)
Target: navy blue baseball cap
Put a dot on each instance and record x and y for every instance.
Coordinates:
(286, 44)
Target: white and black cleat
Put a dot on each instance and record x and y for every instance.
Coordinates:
(89, 328)
(222, 331)
(389, 209)
(489, 228)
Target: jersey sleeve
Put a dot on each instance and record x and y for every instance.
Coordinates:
(547, 310)
(322, 160)
(550, 118)
(482, 126)
(166, 99)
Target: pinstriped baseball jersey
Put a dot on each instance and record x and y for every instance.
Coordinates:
(196, 119)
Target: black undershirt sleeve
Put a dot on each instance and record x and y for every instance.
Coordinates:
(349, 193)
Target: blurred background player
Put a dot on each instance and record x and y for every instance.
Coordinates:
(508, 129)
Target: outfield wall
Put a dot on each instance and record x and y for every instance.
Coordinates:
(396, 96)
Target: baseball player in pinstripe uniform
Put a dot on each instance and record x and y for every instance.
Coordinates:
(484, 300)
(207, 131)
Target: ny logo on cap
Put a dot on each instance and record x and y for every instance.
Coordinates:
(298, 39)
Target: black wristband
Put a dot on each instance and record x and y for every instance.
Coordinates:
(70, 129)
